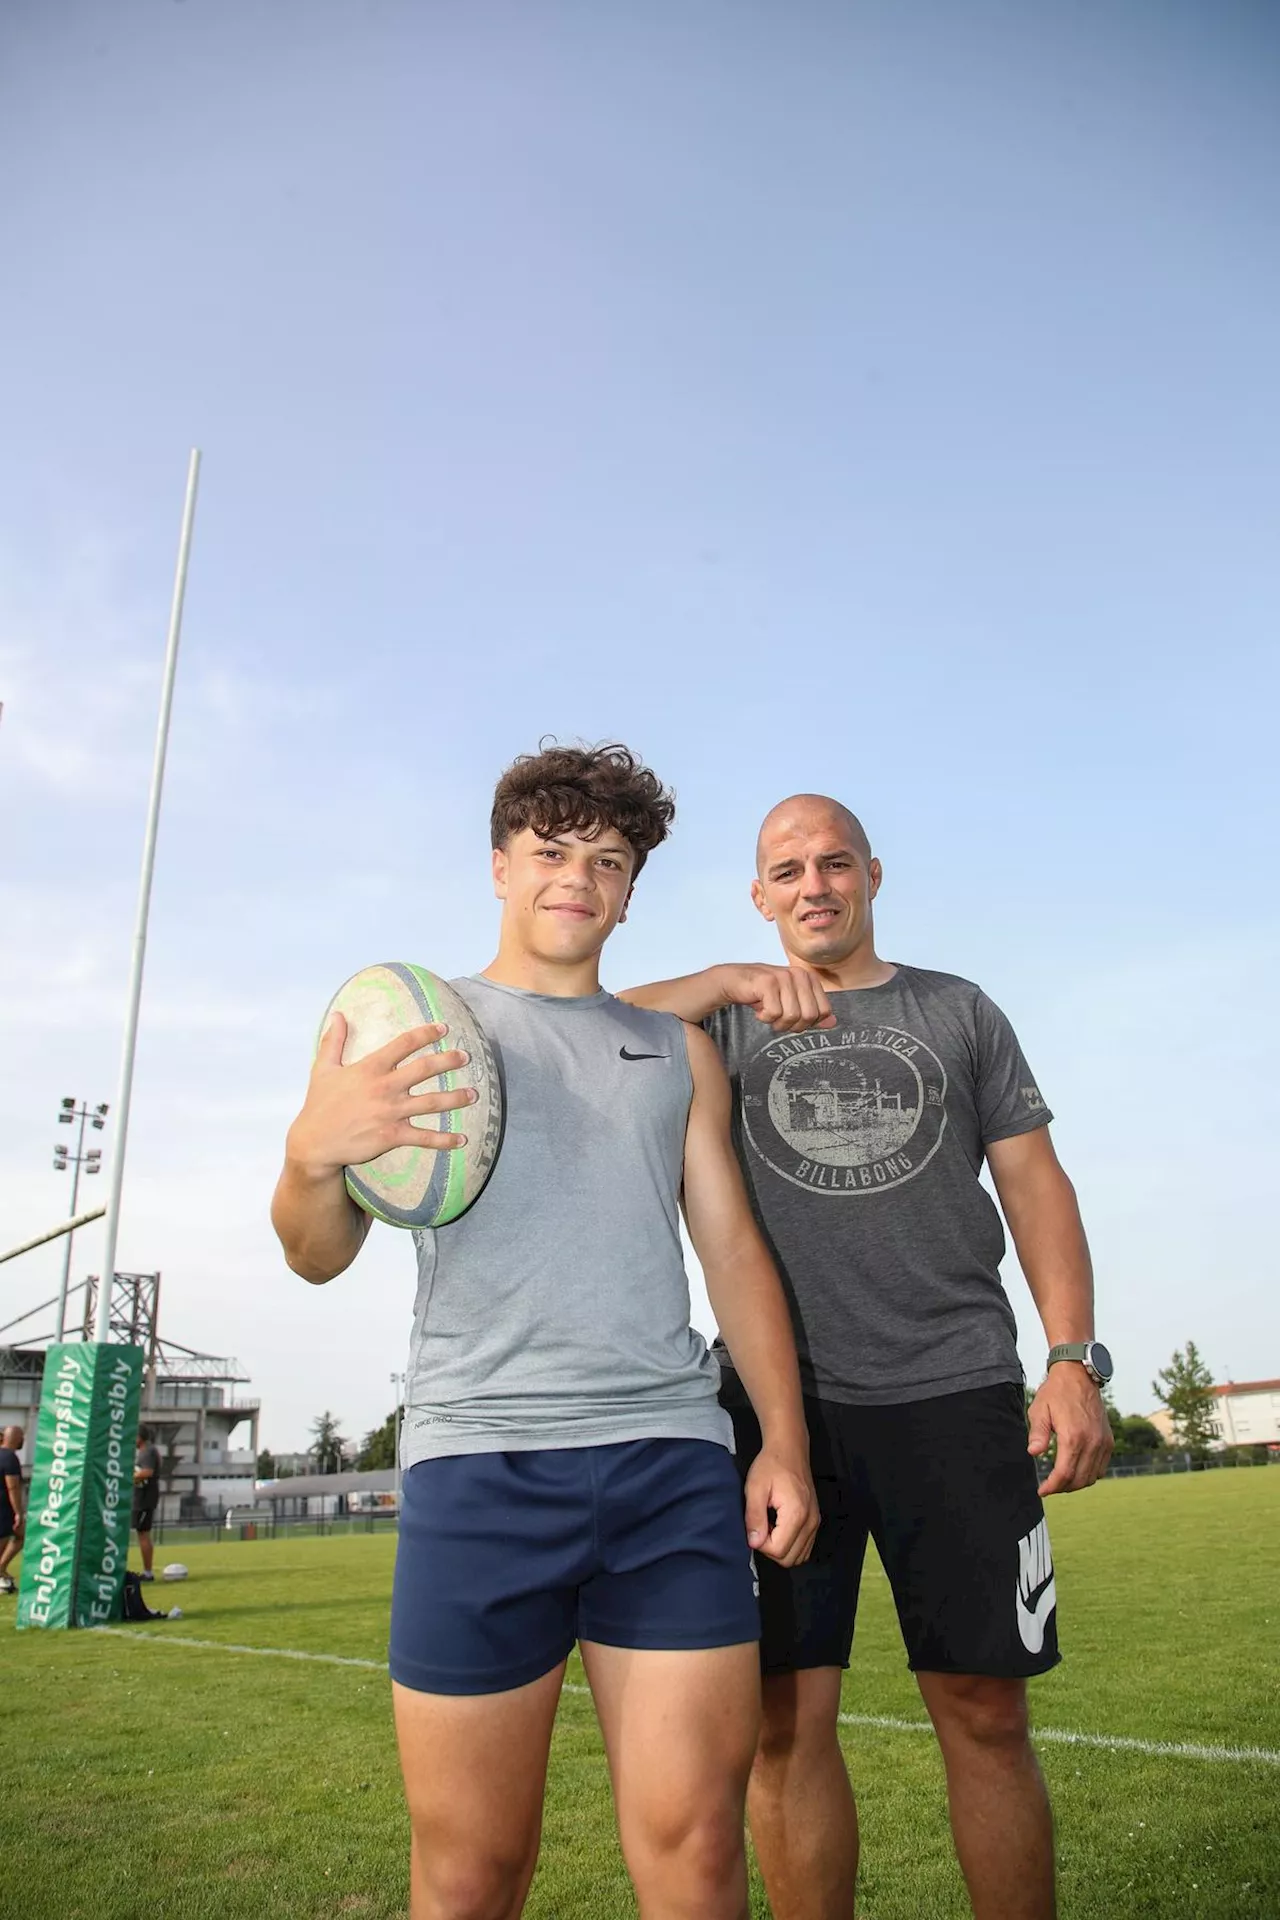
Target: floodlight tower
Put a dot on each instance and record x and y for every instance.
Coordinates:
(68, 1114)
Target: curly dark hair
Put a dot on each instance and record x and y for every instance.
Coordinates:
(583, 790)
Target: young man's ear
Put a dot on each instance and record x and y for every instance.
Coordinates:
(500, 872)
(759, 902)
(626, 905)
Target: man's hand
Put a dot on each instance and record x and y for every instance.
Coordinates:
(353, 1114)
(788, 999)
(786, 1489)
(1070, 1405)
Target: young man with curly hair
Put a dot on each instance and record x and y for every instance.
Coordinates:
(568, 1474)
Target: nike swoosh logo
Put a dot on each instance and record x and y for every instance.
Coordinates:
(624, 1055)
(1032, 1621)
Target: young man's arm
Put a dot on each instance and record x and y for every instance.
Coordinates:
(13, 1486)
(788, 999)
(747, 1299)
(1039, 1203)
(350, 1115)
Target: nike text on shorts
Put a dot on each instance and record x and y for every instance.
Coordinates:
(946, 1489)
(505, 1559)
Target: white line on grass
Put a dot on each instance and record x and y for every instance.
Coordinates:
(1051, 1736)
(1111, 1742)
(230, 1646)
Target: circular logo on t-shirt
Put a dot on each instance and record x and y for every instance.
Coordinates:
(857, 1110)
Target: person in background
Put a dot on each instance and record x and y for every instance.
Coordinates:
(12, 1504)
(146, 1496)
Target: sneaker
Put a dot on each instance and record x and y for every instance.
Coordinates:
(6, 1584)
(146, 1576)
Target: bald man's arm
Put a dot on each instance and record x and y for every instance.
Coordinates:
(788, 999)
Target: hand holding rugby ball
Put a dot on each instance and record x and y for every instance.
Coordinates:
(425, 1186)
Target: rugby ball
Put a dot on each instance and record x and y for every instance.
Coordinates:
(174, 1571)
(422, 1186)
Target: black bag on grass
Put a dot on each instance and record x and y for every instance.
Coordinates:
(134, 1606)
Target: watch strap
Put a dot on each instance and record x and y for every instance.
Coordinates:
(1069, 1350)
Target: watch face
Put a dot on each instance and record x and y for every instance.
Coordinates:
(1100, 1360)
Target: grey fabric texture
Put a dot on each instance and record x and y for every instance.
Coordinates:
(555, 1311)
(862, 1148)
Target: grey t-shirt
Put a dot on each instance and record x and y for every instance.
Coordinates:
(147, 1492)
(555, 1311)
(862, 1147)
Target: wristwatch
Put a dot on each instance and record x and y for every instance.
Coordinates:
(1092, 1356)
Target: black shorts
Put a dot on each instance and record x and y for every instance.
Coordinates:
(144, 1512)
(948, 1492)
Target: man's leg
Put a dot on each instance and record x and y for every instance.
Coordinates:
(962, 1536)
(1000, 1814)
(146, 1546)
(680, 1729)
(10, 1547)
(803, 1819)
(475, 1768)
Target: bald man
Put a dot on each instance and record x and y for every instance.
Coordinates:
(867, 1097)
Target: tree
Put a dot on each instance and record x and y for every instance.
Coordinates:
(1138, 1435)
(379, 1448)
(1185, 1387)
(328, 1446)
(266, 1469)
(1130, 1432)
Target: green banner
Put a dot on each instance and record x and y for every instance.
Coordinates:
(108, 1486)
(78, 1513)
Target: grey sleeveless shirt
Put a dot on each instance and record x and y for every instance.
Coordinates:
(555, 1311)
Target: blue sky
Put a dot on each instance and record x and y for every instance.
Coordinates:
(867, 397)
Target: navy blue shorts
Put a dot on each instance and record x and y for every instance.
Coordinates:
(505, 1559)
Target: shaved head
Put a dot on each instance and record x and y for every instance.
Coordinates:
(804, 811)
(816, 879)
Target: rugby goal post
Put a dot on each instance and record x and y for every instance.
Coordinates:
(76, 1221)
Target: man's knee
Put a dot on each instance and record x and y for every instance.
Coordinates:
(800, 1721)
(696, 1847)
(471, 1883)
(978, 1709)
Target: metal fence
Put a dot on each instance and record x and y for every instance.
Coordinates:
(239, 1523)
(1169, 1460)
(244, 1526)
(1132, 1466)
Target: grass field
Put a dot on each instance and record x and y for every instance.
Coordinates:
(142, 1775)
